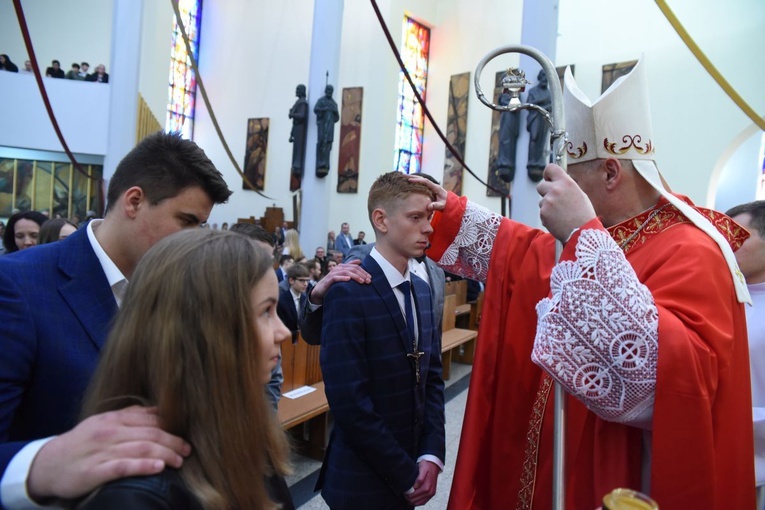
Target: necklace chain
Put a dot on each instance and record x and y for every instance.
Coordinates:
(642, 225)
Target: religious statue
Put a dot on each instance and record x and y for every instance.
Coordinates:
(298, 114)
(326, 117)
(538, 128)
(509, 126)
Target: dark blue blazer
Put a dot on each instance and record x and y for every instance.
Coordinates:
(55, 311)
(383, 420)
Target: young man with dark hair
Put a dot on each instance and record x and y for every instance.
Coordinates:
(55, 71)
(285, 261)
(253, 231)
(292, 299)
(381, 362)
(56, 304)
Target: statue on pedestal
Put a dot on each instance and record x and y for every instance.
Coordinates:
(298, 114)
(538, 128)
(326, 117)
(509, 127)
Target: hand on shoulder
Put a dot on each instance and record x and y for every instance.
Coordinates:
(102, 448)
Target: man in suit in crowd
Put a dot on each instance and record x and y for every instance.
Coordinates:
(314, 272)
(321, 256)
(292, 299)
(344, 242)
(381, 362)
(360, 239)
(56, 304)
(285, 262)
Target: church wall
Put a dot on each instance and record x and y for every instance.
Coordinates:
(252, 56)
(693, 120)
(156, 35)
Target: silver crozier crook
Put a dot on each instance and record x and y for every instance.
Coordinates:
(515, 81)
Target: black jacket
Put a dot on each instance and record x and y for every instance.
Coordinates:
(165, 491)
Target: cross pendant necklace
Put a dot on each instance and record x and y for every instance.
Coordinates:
(416, 355)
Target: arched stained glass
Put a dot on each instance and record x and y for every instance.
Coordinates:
(410, 119)
(183, 82)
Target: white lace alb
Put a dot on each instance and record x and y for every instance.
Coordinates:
(470, 252)
(598, 333)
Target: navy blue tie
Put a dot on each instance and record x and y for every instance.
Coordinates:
(405, 288)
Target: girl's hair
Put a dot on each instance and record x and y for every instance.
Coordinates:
(51, 229)
(292, 243)
(185, 342)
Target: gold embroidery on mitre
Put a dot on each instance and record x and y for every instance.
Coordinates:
(634, 141)
(580, 151)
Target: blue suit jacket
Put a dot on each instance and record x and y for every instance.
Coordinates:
(55, 311)
(383, 420)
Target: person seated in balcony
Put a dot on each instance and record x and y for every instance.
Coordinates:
(55, 71)
(74, 72)
(101, 76)
(84, 70)
(7, 65)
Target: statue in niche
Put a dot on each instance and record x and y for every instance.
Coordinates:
(509, 127)
(538, 128)
(298, 114)
(327, 116)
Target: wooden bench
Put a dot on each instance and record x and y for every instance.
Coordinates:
(451, 337)
(306, 417)
(466, 354)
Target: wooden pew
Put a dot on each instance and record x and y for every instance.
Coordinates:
(459, 290)
(466, 354)
(300, 364)
(451, 337)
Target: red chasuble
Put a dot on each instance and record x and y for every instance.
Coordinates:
(701, 445)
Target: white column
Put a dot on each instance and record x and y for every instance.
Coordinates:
(123, 81)
(325, 58)
(540, 30)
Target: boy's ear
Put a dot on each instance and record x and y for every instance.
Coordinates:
(378, 221)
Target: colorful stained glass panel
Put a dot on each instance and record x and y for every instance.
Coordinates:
(182, 87)
(410, 120)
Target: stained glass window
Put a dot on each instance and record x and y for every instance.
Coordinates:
(183, 82)
(410, 119)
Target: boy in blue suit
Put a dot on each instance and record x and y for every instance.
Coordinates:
(381, 363)
(56, 305)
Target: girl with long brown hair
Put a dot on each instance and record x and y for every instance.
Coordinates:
(197, 337)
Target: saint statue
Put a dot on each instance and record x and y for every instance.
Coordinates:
(509, 126)
(538, 128)
(298, 114)
(326, 117)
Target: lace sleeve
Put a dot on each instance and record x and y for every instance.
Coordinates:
(598, 333)
(470, 252)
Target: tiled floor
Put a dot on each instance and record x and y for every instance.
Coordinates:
(301, 482)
